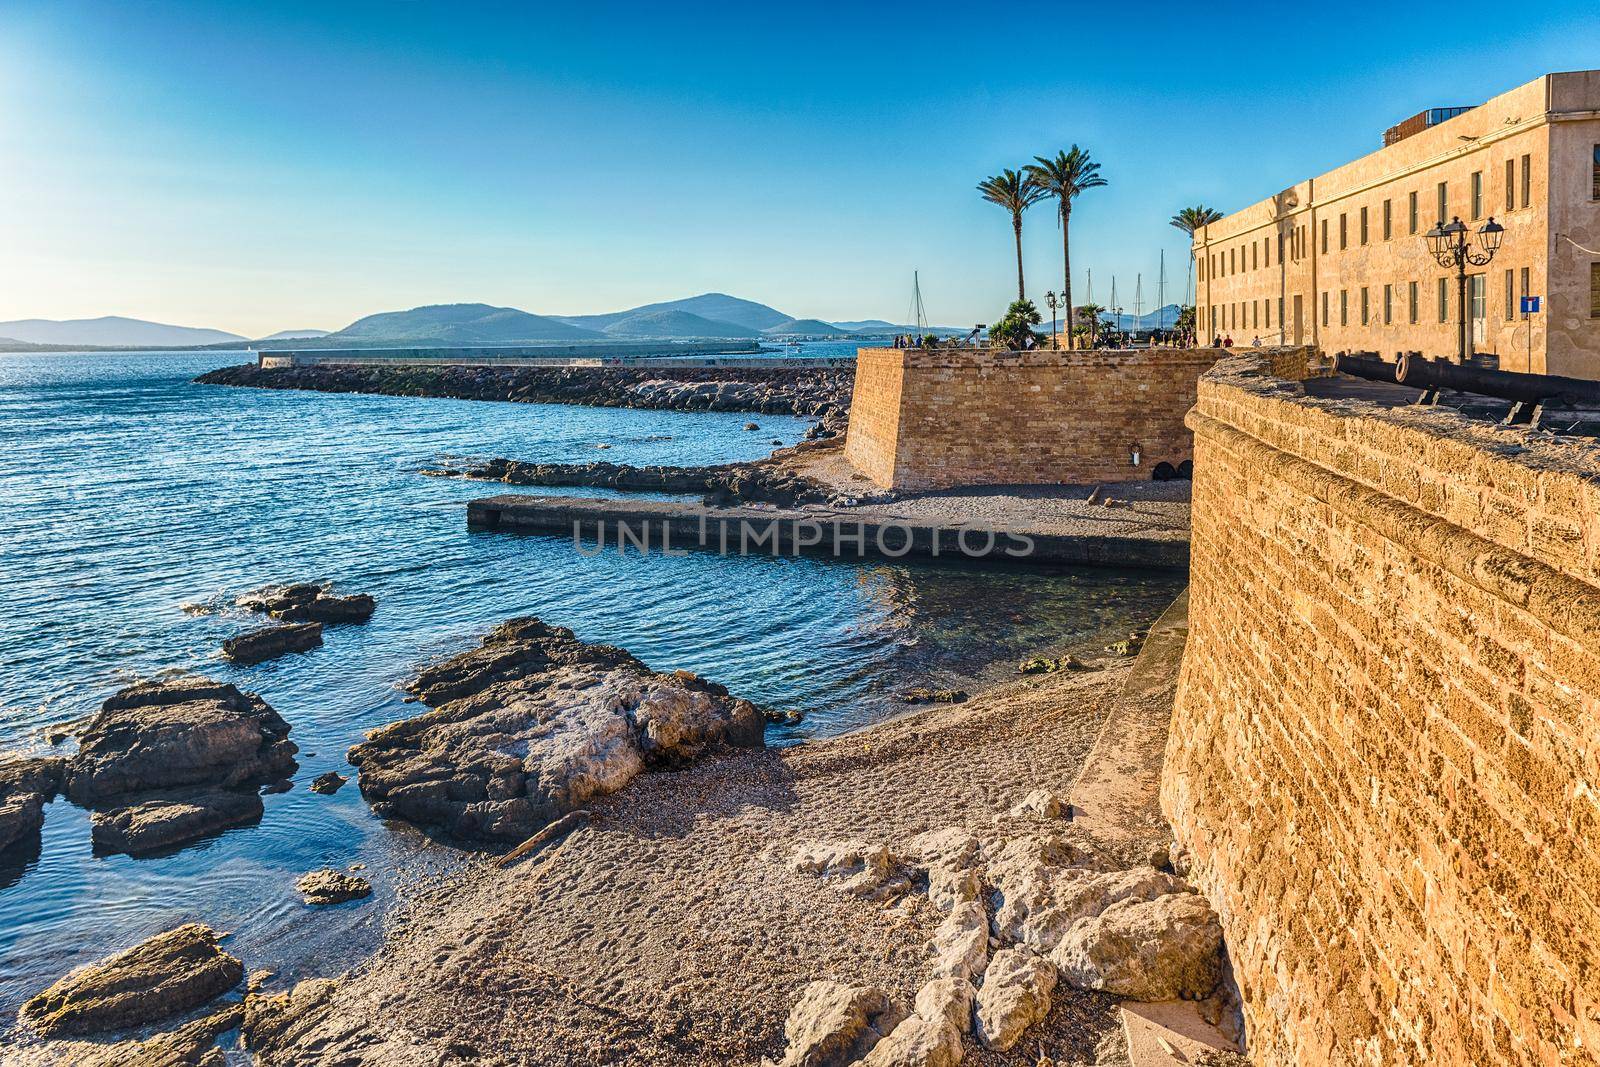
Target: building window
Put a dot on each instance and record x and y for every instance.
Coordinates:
(1444, 299)
(1411, 296)
(1324, 307)
(1594, 290)
(1363, 225)
(1255, 256)
(1365, 316)
(1344, 231)
(1388, 219)
(1324, 236)
(1388, 305)
(1524, 286)
(1527, 179)
(1511, 294)
(1511, 185)
(1233, 261)
(1344, 307)
(1597, 172)
(1444, 201)
(1477, 194)
(1255, 314)
(1280, 315)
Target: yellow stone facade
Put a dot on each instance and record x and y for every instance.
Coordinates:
(1339, 261)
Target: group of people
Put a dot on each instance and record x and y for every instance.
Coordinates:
(1226, 341)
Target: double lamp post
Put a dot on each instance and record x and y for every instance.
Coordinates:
(1451, 246)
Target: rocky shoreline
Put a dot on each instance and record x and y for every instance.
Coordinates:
(806, 391)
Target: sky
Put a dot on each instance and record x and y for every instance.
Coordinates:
(269, 166)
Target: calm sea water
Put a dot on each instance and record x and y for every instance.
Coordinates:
(128, 493)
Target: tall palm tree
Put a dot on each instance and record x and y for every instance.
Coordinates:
(1064, 177)
(1189, 220)
(1089, 317)
(1016, 192)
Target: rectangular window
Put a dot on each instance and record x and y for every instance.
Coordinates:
(1511, 294)
(1444, 299)
(1255, 314)
(1477, 194)
(1596, 193)
(1324, 236)
(1411, 212)
(1511, 185)
(1363, 225)
(1255, 256)
(1344, 231)
(1411, 296)
(1324, 308)
(1365, 316)
(1388, 305)
(1527, 179)
(1388, 219)
(1280, 314)
(1524, 286)
(1266, 309)
(1233, 261)
(1444, 201)
(1344, 307)
(1594, 290)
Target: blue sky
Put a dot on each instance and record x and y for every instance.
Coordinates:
(270, 166)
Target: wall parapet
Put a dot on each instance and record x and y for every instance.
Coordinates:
(1382, 753)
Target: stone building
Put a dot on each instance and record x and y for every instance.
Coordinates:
(1340, 260)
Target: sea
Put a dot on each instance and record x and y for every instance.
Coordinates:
(137, 506)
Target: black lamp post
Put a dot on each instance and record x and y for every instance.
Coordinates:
(1055, 301)
(1451, 246)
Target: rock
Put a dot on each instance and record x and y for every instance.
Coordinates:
(26, 786)
(858, 868)
(308, 602)
(1036, 902)
(282, 785)
(162, 822)
(751, 426)
(328, 886)
(1041, 804)
(961, 943)
(760, 482)
(1179, 860)
(275, 1022)
(193, 1044)
(328, 784)
(1048, 665)
(950, 847)
(949, 1000)
(272, 642)
(949, 886)
(833, 1024)
(1130, 647)
(1015, 995)
(531, 725)
(1168, 948)
(188, 731)
(923, 695)
(170, 973)
(917, 1042)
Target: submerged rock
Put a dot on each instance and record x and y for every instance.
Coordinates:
(531, 724)
(170, 973)
(833, 1024)
(328, 886)
(309, 602)
(259, 646)
(1169, 948)
(26, 786)
(923, 695)
(1050, 665)
(162, 822)
(328, 784)
(190, 731)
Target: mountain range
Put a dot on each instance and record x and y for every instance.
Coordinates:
(709, 316)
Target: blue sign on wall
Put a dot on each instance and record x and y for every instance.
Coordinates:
(1530, 305)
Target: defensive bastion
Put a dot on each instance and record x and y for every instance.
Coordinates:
(1386, 742)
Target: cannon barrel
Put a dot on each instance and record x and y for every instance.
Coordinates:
(1418, 373)
(1365, 365)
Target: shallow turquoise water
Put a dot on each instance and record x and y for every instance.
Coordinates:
(127, 492)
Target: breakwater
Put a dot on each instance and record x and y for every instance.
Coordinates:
(817, 392)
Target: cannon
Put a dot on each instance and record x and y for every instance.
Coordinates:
(1529, 394)
(1366, 365)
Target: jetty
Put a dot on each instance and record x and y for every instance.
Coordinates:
(669, 527)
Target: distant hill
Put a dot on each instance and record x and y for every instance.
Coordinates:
(870, 326)
(658, 324)
(293, 335)
(718, 307)
(110, 331)
(805, 328)
(461, 324)
(1163, 318)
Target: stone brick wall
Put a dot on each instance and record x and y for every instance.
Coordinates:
(1386, 743)
(933, 419)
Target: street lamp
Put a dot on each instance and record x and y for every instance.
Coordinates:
(1055, 301)
(1451, 246)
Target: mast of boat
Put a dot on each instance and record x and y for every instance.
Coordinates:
(1138, 301)
(918, 315)
(1161, 290)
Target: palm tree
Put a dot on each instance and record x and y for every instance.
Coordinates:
(1016, 192)
(1089, 318)
(1064, 177)
(1189, 220)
